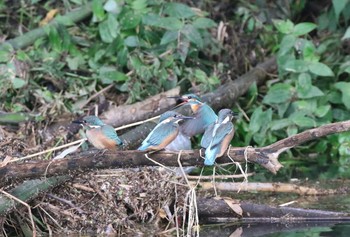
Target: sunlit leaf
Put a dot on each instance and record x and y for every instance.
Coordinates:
(203, 23)
(320, 69)
(98, 11)
(284, 26)
(193, 35)
(278, 93)
(169, 36)
(169, 23)
(304, 28)
(178, 10)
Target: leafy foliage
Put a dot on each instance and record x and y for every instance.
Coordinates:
(143, 47)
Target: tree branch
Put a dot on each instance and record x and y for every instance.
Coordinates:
(265, 156)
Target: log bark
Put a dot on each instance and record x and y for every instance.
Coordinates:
(219, 208)
(267, 157)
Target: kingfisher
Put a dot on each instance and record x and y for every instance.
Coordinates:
(204, 115)
(164, 133)
(99, 134)
(218, 136)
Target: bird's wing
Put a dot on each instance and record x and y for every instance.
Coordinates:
(203, 118)
(220, 134)
(110, 133)
(208, 134)
(160, 132)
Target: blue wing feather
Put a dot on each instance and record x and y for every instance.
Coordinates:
(217, 136)
(208, 135)
(110, 133)
(158, 134)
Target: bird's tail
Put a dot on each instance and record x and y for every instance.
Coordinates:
(210, 156)
(143, 147)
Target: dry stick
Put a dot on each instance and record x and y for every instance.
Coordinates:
(267, 187)
(26, 205)
(231, 176)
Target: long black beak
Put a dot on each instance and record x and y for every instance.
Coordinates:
(186, 117)
(77, 121)
(235, 114)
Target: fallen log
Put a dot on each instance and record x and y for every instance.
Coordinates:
(267, 157)
(215, 208)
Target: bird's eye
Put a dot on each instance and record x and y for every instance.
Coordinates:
(84, 121)
(189, 97)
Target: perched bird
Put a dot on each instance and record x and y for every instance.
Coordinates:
(164, 133)
(204, 115)
(100, 135)
(218, 136)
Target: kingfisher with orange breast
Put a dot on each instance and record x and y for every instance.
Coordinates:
(217, 136)
(204, 115)
(164, 133)
(99, 134)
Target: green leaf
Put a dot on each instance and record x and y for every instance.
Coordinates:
(338, 6)
(18, 82)
(203, 23)
(112, 6)
(260, 119)
(302, 121)
(182, 50)
(296, 65)
(347, 34)
(113, 26)
(344, 87)
(110, 74)
(193, 35)
(320, 69)
(169, 36)
(255, 124)
(340, 114)
(287, 44)
(4, 56)
(305, 89)
(178, 10)
(98, 11)
(278, 93)
(322, 110)
(169, 23)
(279, 124)
(132, 41)
(104, 32)
(292, 130)
(130, 20)
(139, 5)
(285, 27)
(304, 28)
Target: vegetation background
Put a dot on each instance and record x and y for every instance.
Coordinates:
(144, 47)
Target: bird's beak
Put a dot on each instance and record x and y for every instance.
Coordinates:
(181, 104)
(186, 117)
(78, 122)
(235, 114)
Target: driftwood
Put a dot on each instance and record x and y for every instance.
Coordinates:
(249, 212)
(266, 157)
(266, 187)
